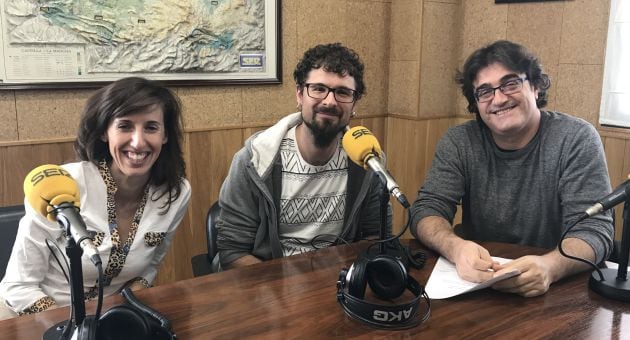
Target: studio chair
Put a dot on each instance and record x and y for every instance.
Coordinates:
(208, 263)
(9, 222)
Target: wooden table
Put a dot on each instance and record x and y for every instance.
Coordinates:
(295, 297)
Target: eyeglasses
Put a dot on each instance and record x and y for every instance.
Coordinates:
(486, 94)
(320, 91)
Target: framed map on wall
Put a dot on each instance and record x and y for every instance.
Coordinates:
(85, 43)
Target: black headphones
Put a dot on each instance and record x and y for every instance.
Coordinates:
(388, 278)
(134, 320)
(131, 320)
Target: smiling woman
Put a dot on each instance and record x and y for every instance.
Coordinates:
(111, 111)
(135, 142)
(131, 183)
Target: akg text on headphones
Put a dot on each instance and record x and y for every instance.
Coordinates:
(388, 278)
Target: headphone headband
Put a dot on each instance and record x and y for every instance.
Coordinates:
(400, 316)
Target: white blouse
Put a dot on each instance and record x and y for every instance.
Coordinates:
(34, 277)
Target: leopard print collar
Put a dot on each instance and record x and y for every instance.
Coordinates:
(119, 252)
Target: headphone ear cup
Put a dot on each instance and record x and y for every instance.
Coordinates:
(356, 282)
(88, 329)
(387, 277)
(123, 322)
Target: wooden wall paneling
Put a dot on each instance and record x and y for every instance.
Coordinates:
(615, 148)
(377, 125)
(406, 162)
(176, 264)
(419, 166)
(435, 130)
(625, 174)
(16, 161)
(247, 132)
(211, 154)
(167, 271)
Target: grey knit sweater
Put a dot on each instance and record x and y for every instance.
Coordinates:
(527, 196)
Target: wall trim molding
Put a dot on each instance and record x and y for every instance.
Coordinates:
(615, 132)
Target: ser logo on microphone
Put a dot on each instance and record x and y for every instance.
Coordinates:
(50, 172)
(361, 132)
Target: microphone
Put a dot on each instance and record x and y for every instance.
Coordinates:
(364, 150)
(53, 193)
(620, 194)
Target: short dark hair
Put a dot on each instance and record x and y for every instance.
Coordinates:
(125, 97)
(511, 55)
(332, 58)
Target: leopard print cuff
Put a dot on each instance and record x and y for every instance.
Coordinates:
(137, 282)
(154, 239)
(144, 282)
(39, 306)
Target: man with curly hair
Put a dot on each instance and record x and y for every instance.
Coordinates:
(521, 174)
(292, 188)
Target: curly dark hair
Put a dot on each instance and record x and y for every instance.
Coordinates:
(332, 58)
(125, 97)
(511, 55)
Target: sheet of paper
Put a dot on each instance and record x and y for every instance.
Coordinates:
(614, 265)
(444, 281)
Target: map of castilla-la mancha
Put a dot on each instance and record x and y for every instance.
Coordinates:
(142, 35)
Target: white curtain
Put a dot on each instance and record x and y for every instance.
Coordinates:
(615, 106)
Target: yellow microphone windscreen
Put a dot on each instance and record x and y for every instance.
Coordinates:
(359, 143)
(50, 185)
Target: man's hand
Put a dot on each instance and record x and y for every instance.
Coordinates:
(534, 280)
(473, 262)
(539, 272)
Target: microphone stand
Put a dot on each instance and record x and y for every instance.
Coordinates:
(392, 248)
(74, 252)
(382, 232)
(615, 284)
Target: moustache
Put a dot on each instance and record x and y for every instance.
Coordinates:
(328, 110)
(509, 105)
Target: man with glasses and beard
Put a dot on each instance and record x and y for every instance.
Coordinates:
(521, 174)
(292, 188)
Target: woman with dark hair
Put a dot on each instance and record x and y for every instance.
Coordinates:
(133, 191)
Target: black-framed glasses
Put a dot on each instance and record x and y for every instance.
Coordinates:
(511, 86)
(320, 91)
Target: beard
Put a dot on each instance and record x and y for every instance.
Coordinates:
(324, 132)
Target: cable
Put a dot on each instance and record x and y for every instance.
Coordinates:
(99, 304)
(50, 245)
(399, 235)
(564, 234)
(127, 293)
(316, 244)
(417, 260)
